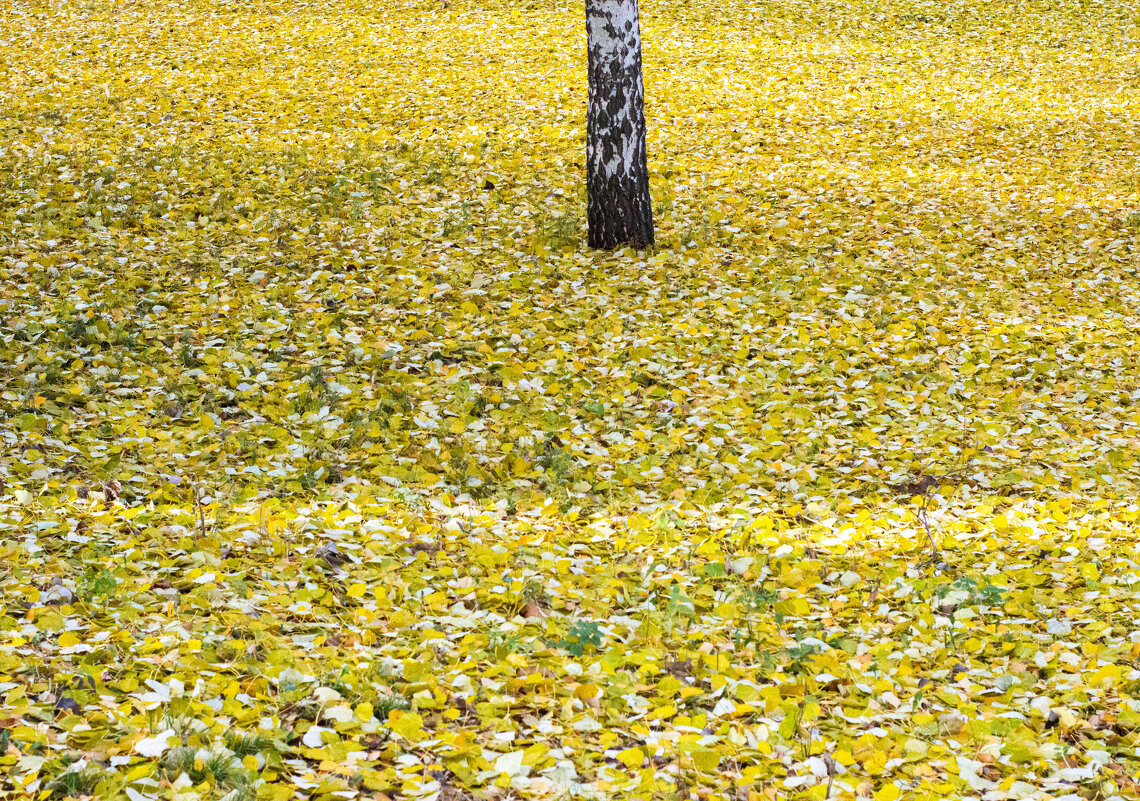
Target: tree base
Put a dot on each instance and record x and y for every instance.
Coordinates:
(619, 216)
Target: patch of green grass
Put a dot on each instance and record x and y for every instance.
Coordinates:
(385, 704)
(244, 743)
(199, 765)
(78, 779)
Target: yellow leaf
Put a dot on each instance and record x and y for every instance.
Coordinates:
(1106, 678)
(373, 780)
(139, 771)
(274, 792)
(875, 764)
(408, 725)
(705, 760)
(68, 639)
(888, 792)
(631, 757)
(356, 590)
(585, 691)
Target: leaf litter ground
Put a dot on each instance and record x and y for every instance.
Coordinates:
(335, 466)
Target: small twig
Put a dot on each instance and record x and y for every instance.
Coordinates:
(925, 521)
(201, 530)
(218, 510)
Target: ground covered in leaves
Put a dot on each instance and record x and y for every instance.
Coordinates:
(335, 466)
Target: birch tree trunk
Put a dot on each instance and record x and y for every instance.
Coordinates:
(617, 179)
